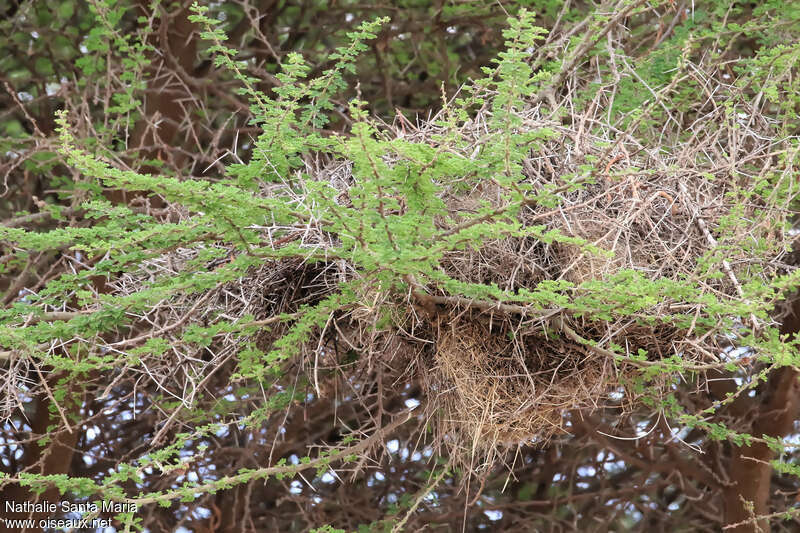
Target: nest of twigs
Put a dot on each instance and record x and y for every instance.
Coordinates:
(496, 374)
(501, 376)
(499, 385)
(501, 389)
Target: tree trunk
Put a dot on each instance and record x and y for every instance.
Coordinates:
(749, 469)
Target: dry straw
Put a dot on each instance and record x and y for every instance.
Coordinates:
(494, 375)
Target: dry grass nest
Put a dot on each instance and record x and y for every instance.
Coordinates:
(495, 386)
(501, 375)
(497, 375)
(506, 389)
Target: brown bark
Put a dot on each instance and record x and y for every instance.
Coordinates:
(164, 109)
(747, 496)
(52, 459)
(164, 112)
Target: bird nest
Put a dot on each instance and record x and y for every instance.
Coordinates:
(507, 389)
(502, 375)
(495, 373)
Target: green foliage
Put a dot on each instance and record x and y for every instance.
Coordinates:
(394, 229)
